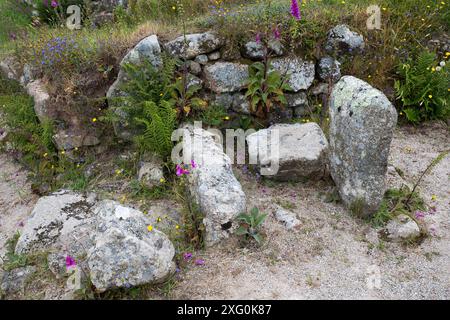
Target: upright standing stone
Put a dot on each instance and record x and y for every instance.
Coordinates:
(361, 129)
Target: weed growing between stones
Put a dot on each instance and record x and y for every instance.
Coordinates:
(406, 201)
(191, 233)
(395, 203)
(38, 275)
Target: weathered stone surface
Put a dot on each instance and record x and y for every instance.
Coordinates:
(108, 5)
(37, 90)
(202, 59)
(147, 49)
(125, 253)
(361, 129)
(402, 228)
(222, 77)
(224, 100)
(29, 74)
(214, 56)
(213, 185)
(301, 73)
(150, 173)
(255, 51)
(102, 18)
(329, 70)
(280, 115)
(10, 68)
(342, 40)
(67, 141)
(299, 102)
(60, 222)
(56, 262)
(14, 281)
(197, 44)
(299, 149)
(240, 104)
(194, 67)
(320, 89)
(109, 241)
(287, 218)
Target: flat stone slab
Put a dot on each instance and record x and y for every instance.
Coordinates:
(300, 150)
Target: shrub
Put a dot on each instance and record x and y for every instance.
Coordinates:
(424, 88)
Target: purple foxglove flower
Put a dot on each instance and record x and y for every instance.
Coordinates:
(295, 10)
(54, 3)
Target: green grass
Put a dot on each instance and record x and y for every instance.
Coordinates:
(12, 20)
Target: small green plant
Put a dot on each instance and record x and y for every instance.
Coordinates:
(214, 115)
(250, 225)
(265, 89)
(404, 200)
(184, 95)
(423, 88)
(13, 260)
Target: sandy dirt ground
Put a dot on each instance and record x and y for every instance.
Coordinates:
(331, 255)
(16, 200)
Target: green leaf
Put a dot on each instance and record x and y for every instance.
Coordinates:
(258, 238)
(241, 231)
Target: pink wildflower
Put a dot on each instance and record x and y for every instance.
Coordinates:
(181, 171)
(70, 262)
